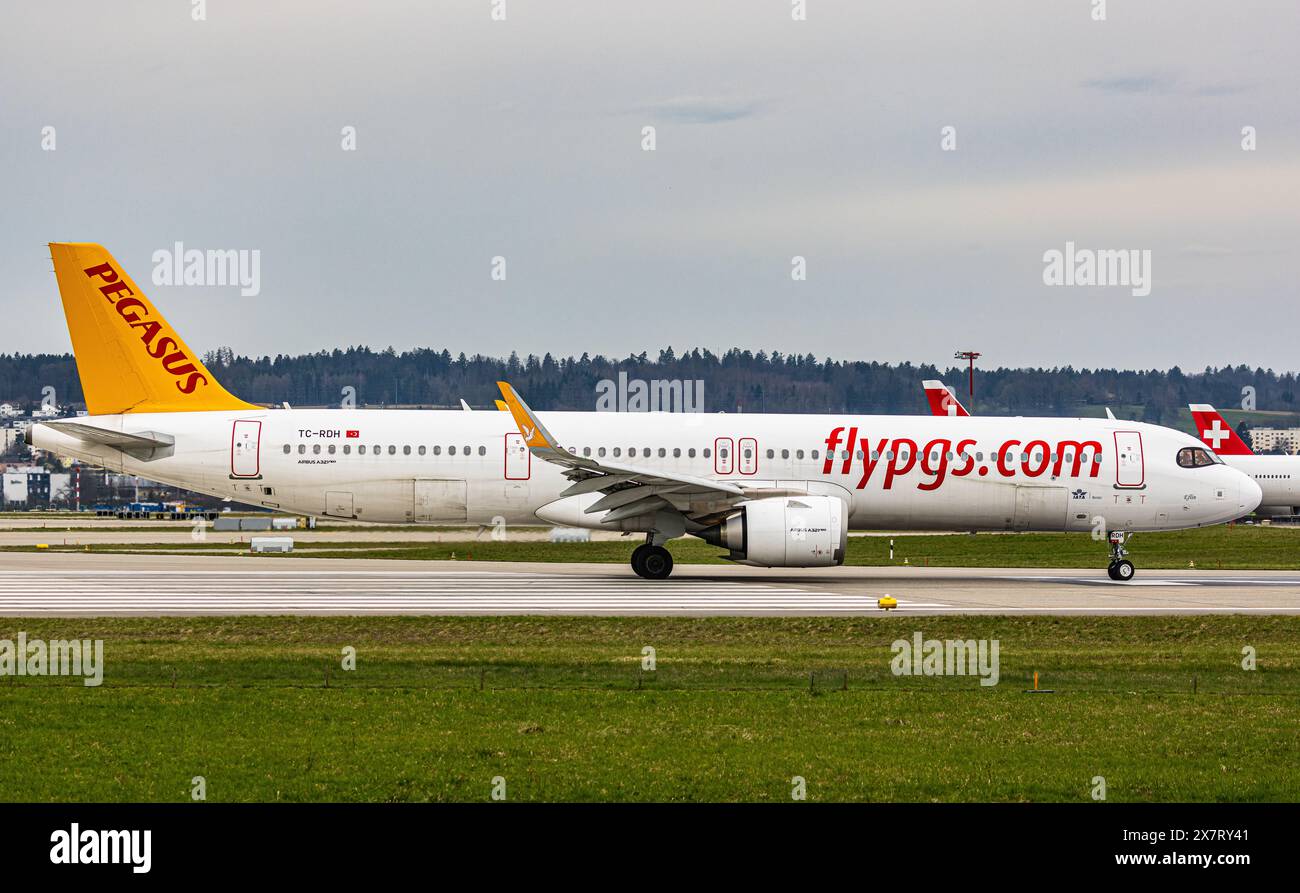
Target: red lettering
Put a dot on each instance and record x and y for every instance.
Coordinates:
(149, 330)
(1003, 453)
(938, 473)
(831, 443)
(1032, 449)
(176, 358)
(869, 459)
(115, 289)
(893, 470)
(164, 344)
(103, 271)
(1076, 450)
(962, 447)
(190, 383)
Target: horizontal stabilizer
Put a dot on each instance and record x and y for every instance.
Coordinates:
(144, 444)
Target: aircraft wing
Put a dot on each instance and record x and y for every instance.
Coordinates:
(627, 489)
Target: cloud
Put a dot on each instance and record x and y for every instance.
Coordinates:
(1131, 84)
(1156, 85)
(703, 109)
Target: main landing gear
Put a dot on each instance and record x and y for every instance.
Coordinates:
(1121, 568)
(651, 561)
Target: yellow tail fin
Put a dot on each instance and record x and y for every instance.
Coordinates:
(128, 357)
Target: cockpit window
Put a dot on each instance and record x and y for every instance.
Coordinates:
(1195, 457)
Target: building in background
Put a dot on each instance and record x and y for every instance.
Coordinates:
(26, 486)
(1275, 440)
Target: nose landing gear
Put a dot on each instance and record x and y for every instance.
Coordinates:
(1121, 568)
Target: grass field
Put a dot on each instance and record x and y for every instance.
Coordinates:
(1228, 548)
(736, 707)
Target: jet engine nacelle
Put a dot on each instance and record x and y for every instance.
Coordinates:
(784, 531)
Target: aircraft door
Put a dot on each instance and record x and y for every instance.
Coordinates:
(723, 455)
(518, 465)
(339, 504)
(1130, 468)
(245, 449)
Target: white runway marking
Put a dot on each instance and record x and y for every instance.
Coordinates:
(28, 593)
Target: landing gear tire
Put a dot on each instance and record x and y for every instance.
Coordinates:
(638, 559)
(652, 562)
(1121, 571)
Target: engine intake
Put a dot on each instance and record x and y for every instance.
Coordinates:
(786, 531)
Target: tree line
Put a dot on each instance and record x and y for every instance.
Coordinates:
(737, 380)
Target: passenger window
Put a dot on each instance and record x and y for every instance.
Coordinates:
(482, 451)
(677, 452)
(286, 449)
(315, 449)
(406, 450)
(437, 450)
(662, 452)
(331, 449)
(422, 450)
(392, 450)
(347, 449)
(302, 449)
(798, 454)
(600, 451)
(690, 453)
(617, 452)
(707, 452)
(361, 450)
(771, 454)
(451, 451)
(785, 454)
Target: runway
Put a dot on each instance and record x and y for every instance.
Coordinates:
(63, 584)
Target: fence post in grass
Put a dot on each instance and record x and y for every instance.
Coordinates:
(481, 673)
(173, 677)
(812, 683)
(1193, 683)
(327, 675)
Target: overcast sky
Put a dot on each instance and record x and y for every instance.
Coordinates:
(774, 138)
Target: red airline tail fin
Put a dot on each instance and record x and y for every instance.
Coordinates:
(942, 401)
(1215, 432)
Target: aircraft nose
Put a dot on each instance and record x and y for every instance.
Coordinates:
(1250, 494)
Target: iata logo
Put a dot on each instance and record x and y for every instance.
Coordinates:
(134, 311)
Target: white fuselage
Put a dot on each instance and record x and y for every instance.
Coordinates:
(1278, 477)
(895, 472)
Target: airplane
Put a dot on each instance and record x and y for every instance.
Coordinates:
(773, 490)
(1277, 476)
